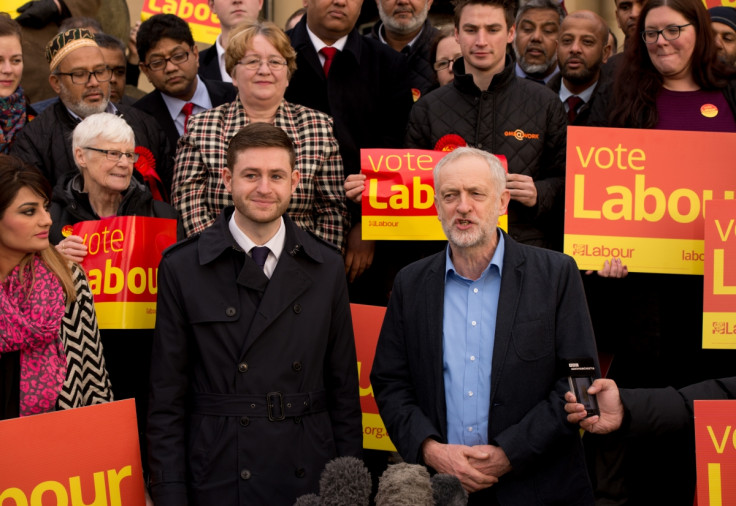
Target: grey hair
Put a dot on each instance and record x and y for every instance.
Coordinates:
(498, 174)
(104, 126)
(540, 4)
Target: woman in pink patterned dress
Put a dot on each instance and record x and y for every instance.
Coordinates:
(50, 353)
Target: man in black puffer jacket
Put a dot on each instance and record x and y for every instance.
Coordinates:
(489, 108)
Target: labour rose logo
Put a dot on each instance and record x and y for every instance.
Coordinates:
(450, 142)
(146, 165)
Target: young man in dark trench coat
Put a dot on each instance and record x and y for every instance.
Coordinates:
(254, 383)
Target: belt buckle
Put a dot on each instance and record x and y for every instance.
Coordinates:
(270, 405)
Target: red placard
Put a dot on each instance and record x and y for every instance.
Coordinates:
(398, 201)
(367, 321)
(122, 267)
(80, 456)
(715, 452)
(629, 194)
(719, 280)
(719, 3)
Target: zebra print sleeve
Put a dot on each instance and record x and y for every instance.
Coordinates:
(86, 381)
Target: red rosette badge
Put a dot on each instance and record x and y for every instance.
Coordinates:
(450, 142)
(146, 165)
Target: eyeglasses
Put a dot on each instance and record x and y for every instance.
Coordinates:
(102, 75)
(114, 155)
(255, 63)
(671, 32)
(160, 63)
(443, 64)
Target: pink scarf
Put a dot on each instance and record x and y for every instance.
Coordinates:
(30, 317)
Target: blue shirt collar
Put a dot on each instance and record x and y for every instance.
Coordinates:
(496, 260)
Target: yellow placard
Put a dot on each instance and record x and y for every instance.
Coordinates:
(375, 436)
(678, 256)
(126, 315)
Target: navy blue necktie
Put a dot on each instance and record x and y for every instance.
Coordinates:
(259, 254)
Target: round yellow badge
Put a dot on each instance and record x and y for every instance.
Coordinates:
(709, 110)
(66, 231)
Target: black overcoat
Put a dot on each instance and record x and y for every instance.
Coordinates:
(221, 358)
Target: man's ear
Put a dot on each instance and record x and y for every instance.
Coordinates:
(607, 52)
(55, 83)
(227, 179)
(295, 176)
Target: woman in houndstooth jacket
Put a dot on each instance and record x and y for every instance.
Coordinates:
(261, 61)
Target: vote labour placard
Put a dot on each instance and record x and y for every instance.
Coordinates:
(77, 457)
(398, 200)
(715, 452)
(11, 7)
(640, 195)
(122, 267)
(719, 279)
(202, 21)
(367, 321)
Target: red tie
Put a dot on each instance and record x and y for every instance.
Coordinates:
(573, 102)
(187, 110)
(329, 54)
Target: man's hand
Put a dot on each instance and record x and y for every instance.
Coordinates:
(133, 58)
(460, 461)
(72, 248)
(496, 465)
(358, 253)
(609, 404)
(522, 189)
(354, 186)
(613, 269)
(38, 13)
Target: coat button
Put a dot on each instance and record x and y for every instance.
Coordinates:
(297, 366)
(230, 311)
(243, 367)
(300, 473)
(244, 421)
(245, 474)
(297, 308)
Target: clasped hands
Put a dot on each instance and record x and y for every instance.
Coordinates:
(477, 467)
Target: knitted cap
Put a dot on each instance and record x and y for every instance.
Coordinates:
(725, 15)
(66, 42)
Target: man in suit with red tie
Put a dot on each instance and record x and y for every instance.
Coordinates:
(169, 59)
(363, 84)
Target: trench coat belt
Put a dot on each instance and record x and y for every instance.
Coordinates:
(274, 405)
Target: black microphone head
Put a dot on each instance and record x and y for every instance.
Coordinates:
(308, 500)
(448, 491)
(404, 485)
(345, 482)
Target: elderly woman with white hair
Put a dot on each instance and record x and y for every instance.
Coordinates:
(104, 152)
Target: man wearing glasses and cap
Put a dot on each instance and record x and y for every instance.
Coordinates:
(81, 79)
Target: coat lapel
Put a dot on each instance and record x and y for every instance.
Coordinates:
(508, 303)
(288, 281)
(434, 287)
(304, 47)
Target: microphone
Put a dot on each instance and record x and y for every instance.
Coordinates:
(308, 500)
(345, 480)
(448, 491)
(405, 485)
